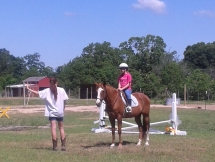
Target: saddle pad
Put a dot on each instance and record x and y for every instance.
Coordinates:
(134, 101)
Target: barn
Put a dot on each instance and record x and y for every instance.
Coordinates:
(36, 83)
(87, 91)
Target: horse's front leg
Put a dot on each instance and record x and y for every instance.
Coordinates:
(112, 121)
(119, 120)
(146, 126)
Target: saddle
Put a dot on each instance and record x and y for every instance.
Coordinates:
(134, 101)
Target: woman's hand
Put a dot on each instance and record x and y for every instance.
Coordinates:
(31, 90)
(27, 87)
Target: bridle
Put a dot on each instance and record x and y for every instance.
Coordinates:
(105, 94)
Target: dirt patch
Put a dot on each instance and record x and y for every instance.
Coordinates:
(36, 109)
(40, 108)
(190, 106)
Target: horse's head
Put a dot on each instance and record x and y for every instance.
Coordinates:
(101, 93)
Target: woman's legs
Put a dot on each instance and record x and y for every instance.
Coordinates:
(54, 136)
(62, 135)
(53, 129)
(60, 126)
(61, 129)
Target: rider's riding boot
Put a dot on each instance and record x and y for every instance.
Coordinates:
(54, 142)
(128, 108)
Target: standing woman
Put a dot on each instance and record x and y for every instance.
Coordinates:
(124, 84)
(54, 108)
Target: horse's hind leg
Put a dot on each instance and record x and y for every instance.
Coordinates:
(146, 126)
(140, 128)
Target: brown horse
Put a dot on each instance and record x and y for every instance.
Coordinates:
(115, 108)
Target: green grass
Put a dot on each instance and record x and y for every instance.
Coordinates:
(13, 101)
(34, 144)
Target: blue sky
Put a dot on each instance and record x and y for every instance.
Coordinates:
(59, 29)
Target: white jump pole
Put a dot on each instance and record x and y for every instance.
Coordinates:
(173, 119)
(102, 116)
(174, 112)
(101, 121)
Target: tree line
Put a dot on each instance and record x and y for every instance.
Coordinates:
(156, 71)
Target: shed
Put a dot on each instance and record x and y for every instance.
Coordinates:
(36, 83)
(39, 83)
(87, 91)
(14, 90)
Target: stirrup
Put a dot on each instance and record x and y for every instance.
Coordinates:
(128, 109)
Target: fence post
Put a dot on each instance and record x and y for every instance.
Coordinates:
(79, 93)
(185, 95)
(205, 98)
(87, 96)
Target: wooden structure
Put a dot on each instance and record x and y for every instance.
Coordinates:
(41, 82)
(36, 83)
(87, 91)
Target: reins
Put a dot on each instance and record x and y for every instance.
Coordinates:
(116, 98)
(105, 95)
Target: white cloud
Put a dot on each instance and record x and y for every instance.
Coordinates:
(205, 13)
(69, 13)
(155, 5)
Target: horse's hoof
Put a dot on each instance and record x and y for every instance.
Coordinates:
(139, 143)
(146, 144)
(112, 145)
(120, 146)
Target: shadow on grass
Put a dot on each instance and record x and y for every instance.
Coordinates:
(42, 148)
(103, 144)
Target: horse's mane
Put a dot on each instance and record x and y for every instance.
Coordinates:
(111, 88)
(107, 86)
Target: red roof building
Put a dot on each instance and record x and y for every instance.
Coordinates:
(35, 83)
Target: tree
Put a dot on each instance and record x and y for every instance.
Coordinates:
(200, 55)
(98, 62)
(172, 77)
(11, 69)
(198, 83)
(144, 52)
(34, 65)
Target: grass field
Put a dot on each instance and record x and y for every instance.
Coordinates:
(32, 143)
(4, 101)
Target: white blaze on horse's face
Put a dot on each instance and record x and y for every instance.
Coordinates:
(99, 99)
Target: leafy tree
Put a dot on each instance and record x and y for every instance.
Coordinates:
(11, 69)
(200, 55)
(198, 82)
(172, 77)
(152, 85)
(98, 62)
(144, 52)
(33, 64)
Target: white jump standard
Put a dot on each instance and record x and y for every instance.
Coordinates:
(174, 120)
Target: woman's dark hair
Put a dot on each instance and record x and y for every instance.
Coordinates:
(53, 87)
